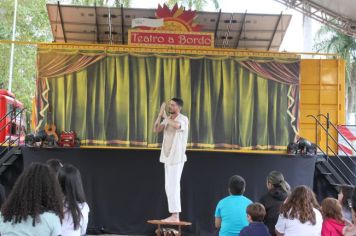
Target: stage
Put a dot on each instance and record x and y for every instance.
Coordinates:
(125, 187)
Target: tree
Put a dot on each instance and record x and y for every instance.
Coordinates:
(117, 3)
(332, 41)
(196, 4)
(32, 26)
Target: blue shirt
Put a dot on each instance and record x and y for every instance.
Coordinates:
(255, 229)
(49, 225)
(232, 211)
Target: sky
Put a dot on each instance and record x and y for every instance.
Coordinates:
(293, 40)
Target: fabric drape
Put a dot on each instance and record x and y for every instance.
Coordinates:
(115, 101)
(53, 64)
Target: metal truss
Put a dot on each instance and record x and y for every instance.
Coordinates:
(323, 15)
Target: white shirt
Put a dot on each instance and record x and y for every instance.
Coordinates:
(294, 227)
(49, 225)
(175, 142)
(68, 225)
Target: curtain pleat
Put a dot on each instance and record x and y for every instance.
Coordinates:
(115, 101)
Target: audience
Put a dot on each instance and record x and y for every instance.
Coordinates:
(333, 220)
(300, 214)
(34, 206)
(76, 210)
(344, 197)
(255, 215)
(351, 230)
(230, 214)
(278, 190)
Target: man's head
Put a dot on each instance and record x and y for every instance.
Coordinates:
(237, 185)
(256, 212)
(175, 105)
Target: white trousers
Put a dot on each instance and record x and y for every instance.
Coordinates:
(173, 175)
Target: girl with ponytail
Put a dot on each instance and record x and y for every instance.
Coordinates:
(278, 191)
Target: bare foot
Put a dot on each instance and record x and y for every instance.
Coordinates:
(172, 218)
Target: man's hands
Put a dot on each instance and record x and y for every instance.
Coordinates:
(158, 127)
(162, 112)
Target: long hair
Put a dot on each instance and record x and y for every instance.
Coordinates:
(36, 191)
(331, 209)
(71, 182)
(276, 179)
(54, 165)
(300, 204)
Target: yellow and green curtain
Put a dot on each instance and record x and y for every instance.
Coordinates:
(112, 98)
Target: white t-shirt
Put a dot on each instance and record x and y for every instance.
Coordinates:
(68, 225)
(294, 227)
(175, 142)
(49, 225)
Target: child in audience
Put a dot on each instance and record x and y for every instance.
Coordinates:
(300, 214)
(351, 230)
(76, 210)
(333, 224)
(230, 214)
(344, 198)
(34, 206)
(278, 191)
(255, 215)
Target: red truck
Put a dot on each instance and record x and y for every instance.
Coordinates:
(11, 127)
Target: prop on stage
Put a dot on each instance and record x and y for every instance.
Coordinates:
(302, 147)
(47, 139)
(165, 228)
(69, 139)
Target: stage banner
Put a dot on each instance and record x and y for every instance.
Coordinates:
(173, 28)
(166, 38)
(346, 137)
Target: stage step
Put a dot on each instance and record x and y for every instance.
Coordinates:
(9, 157)
(331, 173)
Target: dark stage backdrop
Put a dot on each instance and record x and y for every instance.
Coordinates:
(125, 188)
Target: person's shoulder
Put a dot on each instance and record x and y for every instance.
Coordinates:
(246, 199)
(224, 200)
(264, 197)
(317, 213)
(84, 207)
(184, 117)
(49, 217)
(246, 231)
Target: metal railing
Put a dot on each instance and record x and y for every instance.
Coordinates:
(326, 127)
(13, 139)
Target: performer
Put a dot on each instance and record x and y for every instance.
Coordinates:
(175, 137)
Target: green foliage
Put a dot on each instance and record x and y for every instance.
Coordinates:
(198, 5)
(117, 3)
(32, 26)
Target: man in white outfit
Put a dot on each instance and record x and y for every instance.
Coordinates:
(175, 138)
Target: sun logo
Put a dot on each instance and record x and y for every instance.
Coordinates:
(177, 19)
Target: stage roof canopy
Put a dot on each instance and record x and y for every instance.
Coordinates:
(90, 24)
